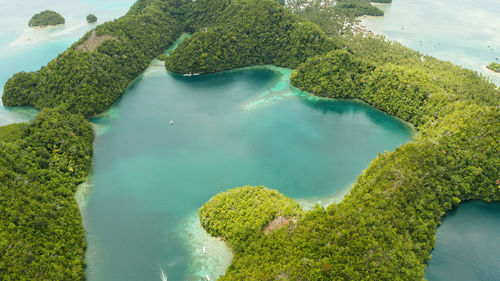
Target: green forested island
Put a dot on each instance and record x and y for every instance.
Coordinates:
(384, 229)
(91, 18)
(494, 67)
(46, 18)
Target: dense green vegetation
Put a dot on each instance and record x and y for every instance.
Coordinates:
(406, 93)
(385, 227)
(162, 57)
(46, 18)
(248, 32)
(404, 83)
(494, 66)
(91, 18)
(41, 164)
(92, 74)
(254, 208)
(11, 132)
(233, 34)
(383, 230)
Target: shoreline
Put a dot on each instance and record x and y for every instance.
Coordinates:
(274, 93)
(44, 26)
(209, 256)
(217, 256)
(308, 204)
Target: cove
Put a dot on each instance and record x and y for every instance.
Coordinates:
(467, 244)
(242, 127)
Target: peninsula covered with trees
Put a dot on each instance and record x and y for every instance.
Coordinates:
(41, 164)
(46, 18)
(384, 229)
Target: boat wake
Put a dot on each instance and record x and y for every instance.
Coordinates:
(163, 275)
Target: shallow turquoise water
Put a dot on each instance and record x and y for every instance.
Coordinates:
(231, 129)
(465, 32)
(153, 225)
(24, 49)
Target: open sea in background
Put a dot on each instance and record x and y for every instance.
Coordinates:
(242, 127)
(26, 49)
(467, 33)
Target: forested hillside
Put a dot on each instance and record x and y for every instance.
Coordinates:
(91, 75)
(385, 227)
(42, 236)
(247, 32)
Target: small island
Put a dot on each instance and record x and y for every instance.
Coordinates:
(91, 18)
(494, 66)
(46, 18)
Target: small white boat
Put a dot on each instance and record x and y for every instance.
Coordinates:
(207, 277)
(204, 250)
(171, 122)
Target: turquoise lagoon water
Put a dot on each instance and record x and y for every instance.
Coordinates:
(243, 127)
(467, 33)
(236, 128)
(25, 49)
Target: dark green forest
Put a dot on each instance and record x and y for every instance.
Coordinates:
(41, 164)
(342, 8)
(46, 18)
(248, 32)
(385, 227)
